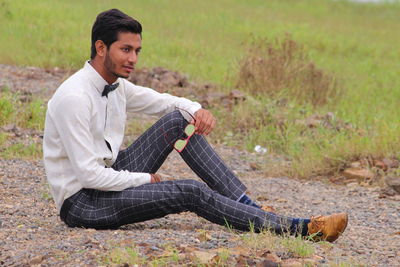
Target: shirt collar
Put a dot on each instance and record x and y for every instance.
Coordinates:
(95, 77)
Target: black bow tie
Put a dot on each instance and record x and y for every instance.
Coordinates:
(109, 88)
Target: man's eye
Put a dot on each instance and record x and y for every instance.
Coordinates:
(125, 49)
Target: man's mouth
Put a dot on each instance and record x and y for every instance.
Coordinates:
(129, 68)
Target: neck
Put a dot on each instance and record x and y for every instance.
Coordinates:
(98, 65)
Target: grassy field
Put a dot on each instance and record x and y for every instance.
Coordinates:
(357, 44)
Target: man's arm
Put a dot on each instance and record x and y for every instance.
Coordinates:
(148, 101)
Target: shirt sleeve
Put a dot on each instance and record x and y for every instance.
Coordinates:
(72, 119)
(148, 101)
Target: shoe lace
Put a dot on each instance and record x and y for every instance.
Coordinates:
(317, 224)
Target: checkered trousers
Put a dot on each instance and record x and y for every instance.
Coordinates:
(214, 200)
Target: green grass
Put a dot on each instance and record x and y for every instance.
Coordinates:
(7, 110)
(286, 245)
(251, 246)
(3, 139)
(25, 115)
(30, 151)
(204, 39)
(124, 255)
(355, 43)
(34, 115)
(121, 255)
(298, 246)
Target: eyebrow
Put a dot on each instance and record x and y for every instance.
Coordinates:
(131, 47)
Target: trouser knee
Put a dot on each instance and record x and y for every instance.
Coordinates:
(192, 190)
(172, 125)
(175, 119)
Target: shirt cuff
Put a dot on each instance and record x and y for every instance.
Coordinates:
(192, 110)
(148, 178)
(137, 180)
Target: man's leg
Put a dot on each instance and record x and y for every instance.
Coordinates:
(99, 209)
(92, 208)
(150, 150)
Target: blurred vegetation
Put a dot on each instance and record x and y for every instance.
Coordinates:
(282, 68)
(20, 112)
(334, 60)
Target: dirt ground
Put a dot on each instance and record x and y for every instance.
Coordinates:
(31, 232)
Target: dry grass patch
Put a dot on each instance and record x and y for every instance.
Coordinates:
(282, 67)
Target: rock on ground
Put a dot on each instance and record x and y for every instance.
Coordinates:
(31, 232)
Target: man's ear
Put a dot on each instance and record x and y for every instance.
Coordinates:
(100, 48)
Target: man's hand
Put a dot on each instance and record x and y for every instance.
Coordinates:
(155, 178)
(204, 123)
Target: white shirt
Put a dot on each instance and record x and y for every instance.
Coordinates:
(79, 120)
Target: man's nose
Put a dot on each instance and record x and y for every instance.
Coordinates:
(133, 57)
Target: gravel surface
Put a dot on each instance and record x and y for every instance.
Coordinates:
(31, 228)
(31, 233)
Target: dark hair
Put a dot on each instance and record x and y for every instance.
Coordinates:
(107, 26)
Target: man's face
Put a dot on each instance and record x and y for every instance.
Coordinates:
(122, 55)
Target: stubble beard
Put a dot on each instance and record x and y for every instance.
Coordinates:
(110, 67)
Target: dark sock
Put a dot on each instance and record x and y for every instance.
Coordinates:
(246, 200)
(299, 226)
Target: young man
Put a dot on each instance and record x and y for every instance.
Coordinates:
(97, 186)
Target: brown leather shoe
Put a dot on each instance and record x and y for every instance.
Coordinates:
(327, 228)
